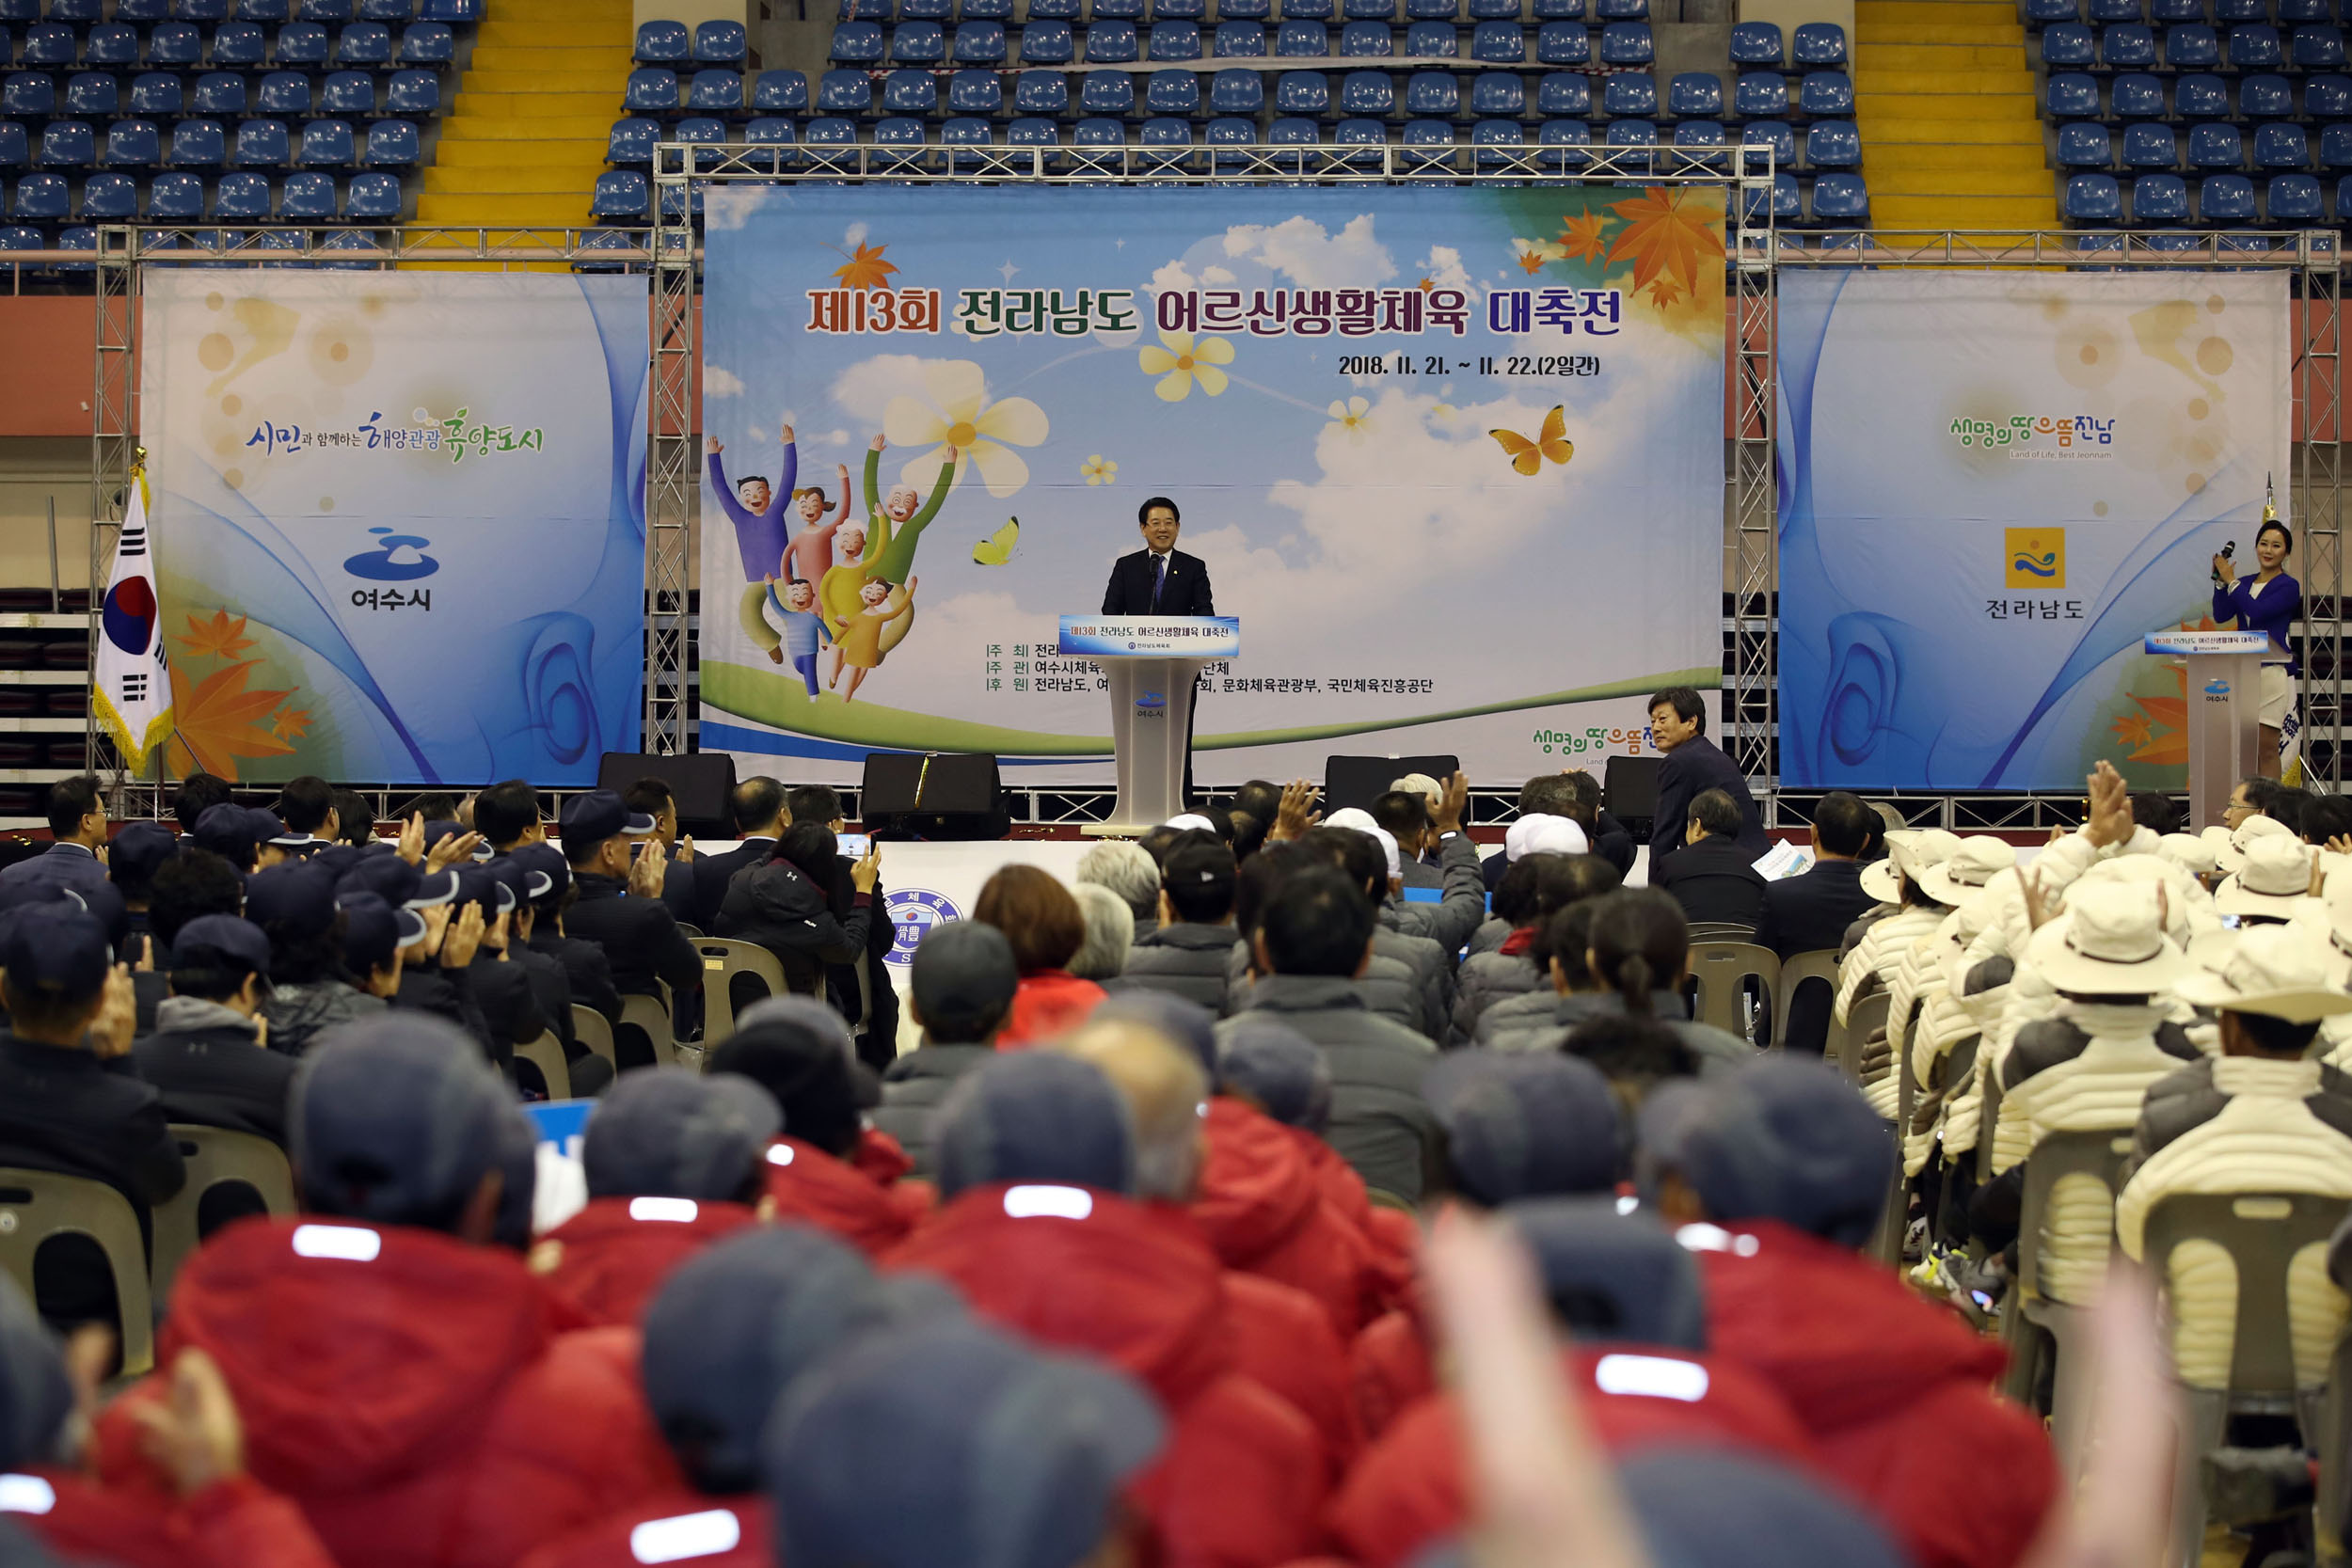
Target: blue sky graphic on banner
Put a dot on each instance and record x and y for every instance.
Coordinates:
(1991, 487)
(1453, 457)
(399, 520)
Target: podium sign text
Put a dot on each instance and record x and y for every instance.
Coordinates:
(1135, 637)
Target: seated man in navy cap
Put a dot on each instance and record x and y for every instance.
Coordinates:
(137, 853)
(500, 988)
(235, 834)
(585, 967)
(206, 1057)
(618, 873)
(960, 990)
(77, 824)
(309, 988)
(192, 883)
(70, 1101)
(306, 807)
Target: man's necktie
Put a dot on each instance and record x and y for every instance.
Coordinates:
(1159, 586)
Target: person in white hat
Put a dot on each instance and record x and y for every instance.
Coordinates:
(2192, 854)
(1894, 880)
(2264, 1117)
(2087, 1066)
(2229, 852)
(2272, 882)
(1935, 978)
(1959, 878)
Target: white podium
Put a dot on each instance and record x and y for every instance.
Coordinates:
(2225, 702)
(1150, 663)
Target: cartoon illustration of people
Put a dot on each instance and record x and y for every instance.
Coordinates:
(885, 613)
(811, 546)
(788, 627)
(896, 524)
(839, 591)
(755, 507)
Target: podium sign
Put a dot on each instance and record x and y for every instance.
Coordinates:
(1150, 664)
(2224, 710)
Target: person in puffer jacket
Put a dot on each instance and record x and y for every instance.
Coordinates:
(1536, 887)
(1189, 950)
(1918, 983)
(960, 988)
(785, 905)
(408, 1384)
(1776, 1175)
(1878, 960)
(2264, 1117)
(673, 1161)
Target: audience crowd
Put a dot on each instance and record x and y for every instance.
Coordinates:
(1123, 1262)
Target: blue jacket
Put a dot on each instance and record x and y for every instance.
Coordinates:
(2270, 613)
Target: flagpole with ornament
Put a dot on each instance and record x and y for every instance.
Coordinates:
(130, 682)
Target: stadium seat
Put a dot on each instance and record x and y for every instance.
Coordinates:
(1041, 92)
(66, 144)
(2104, 11)
(1780, 201)
(1557, 10)
(1111, 43)
(156, 93)
(964, 131)
(719, 42)
(2084, 146)
(2256, 47)
(1178, 10)
(1382, 12)
(1695, 95)
(1497, 44)
(1564, 43)
(174, 46)
(1429, 144)
(1564, 95)
(857, 43)
(2293, 200)
(302, 46)
(92, 92)
(2335, 148)
(140, 13)
(622, 195)
(2227, 11)
(1292, 132)
(1168, 142)
(1306, 10)
(2280, 148)
(662, 44)
(1631, 133)
(1046, 43)
(1432, 93)
(1115, 11)
(832, 136)
(28, 93)
(1629, 94)
(268, 12)
(925, 11)
(387, 11)
(326, 144)
(2135, 95)
(109, 198)
(2294, 12)
(2070, 95)
(771, 143)
(283, 92)
(1842, 198)
(980, 44)
(348, 92)
(1627, 44)
(844, 92)
(1367, 93)
(1302, 92)
(450, 10)
(111, 45)
(1756, 43)
(261, 144)
(15, 146)
(1446, 11)
(2264, 96)
(700, 131)
(1565, 133)
(309, 198)
(908, 92)
(427, 43)
(1760, 95)
(975, 92)
(1231, 131)
(1171, 92)
(1496, 142)
(418, 93)
(2164, 12)
(2093, 199)
(328, 13)
(1702, 137)
(779, 92)
(1106, 93)
(2149, 147)
(652, 90)
(2070, 46)
(236, 46)
(1773, 135)
(244, 197)
(1244, 11)
(1033, 132)
(2327, 97)
(1365, 138)
(2160, 200)
(2200, 95)
(1498, 94)
(1365, 40)
(2191, 46)
(715, 92)
(40, 199)
(132, 144)
(198, 143)
(175, 199)
(1236, 93)
(1239, 40)
(1101, 136)
(49, 46)
(1826, 93)
(631, 142)
(1833, 144)
(391, 144)
(2215, 148)
(1054, 10)
(2319, 48)
(1817, 44)
(1174, 42)
(1426, 41)
(1302, 40)
(918, 44)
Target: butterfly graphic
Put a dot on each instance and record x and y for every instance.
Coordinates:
(998, 549)
(1528, 456)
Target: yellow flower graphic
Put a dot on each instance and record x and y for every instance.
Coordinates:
(1179, 362)
(1098, 469)
(1351, 417)
(959, 422)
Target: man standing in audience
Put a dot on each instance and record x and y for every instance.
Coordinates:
(1715, 878)
(620, 906)
(756, 807)
(876, 1041)
(1677, 726)
(77, 822)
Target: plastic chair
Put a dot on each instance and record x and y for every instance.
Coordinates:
(2149, 147)
(1236, 93)
(2070, 46)
(546, 1054)
(1239, 40)
(1630, 95)
(2070, 95)
(975, 92)
(2191, 46)
(1041, 92)
(719, 42)
(1760, 95)
(1426, 41)
(2084, 145)
(1305, 40)
(1497, 44)
(1171, 92)
(364, 43)
(1722, 971)
(2256, 47)
(391, 144)
(109, 198)
(780, 92)
(908, 92)
(1302, 92)
(38, 1204)
(620, 195)
(1366, 40)
(386, 11)
(130, 144)
(2226, 199)
(2295, 200)
(326, 13)
(1760, 43)
(715, 92)
(66, 144)
(283, 92)
(2265, 97)
(1564, 95)
(1432, 93)
(1495, 142)
(1627, 44)
(1111, 43)
(215, 1156)
(427, 43)
(857, 43)
(654, 91)
(2327, 97)
(651, 1014)
(1174, 42)
(1307, 10)
(1367, 92)
(1828, 93)
(1106, 92)
(1819, 43)
(2038, 1328)
(1864, 1017)
(1046, 43)
(374, 198)
(844, 92)
(2217, 149)
(302, 45)
(326, 144)
(1498, 95)
(2280, 148)
(1695, 95)
(1564, 43)
(351, 93)
(1818, 966)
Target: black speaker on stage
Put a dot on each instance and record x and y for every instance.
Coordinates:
(700, 782)
(1360, 780)
(935, 795)
(1628, 789)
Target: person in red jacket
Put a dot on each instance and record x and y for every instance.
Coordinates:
(1629, 1300)
(947, 1443)
(408, 1385)
(1041, 1233)
(1777, 1173)
(673, 1161)
(729, 1332)
(822, 1169)
(1040, 918)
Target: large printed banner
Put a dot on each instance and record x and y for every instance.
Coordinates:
(399, 520)
(1993, 485)
(1453, 457)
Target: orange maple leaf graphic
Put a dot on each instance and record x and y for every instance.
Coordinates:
(1426, 284)
(1666, 236)
(1581, 236)
(219, 637)
(2159, 731)
(1532, 262)
(217, 720)
(866, 269)
(1664, 292)
(290, 723)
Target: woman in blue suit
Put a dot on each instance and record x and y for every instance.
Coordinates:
(2266, 600)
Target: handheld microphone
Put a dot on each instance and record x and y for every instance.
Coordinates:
(2229, 549)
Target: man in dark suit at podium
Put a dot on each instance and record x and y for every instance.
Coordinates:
(1162, 580)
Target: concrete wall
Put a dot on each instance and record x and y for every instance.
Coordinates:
(1789, 13)
(34, 472)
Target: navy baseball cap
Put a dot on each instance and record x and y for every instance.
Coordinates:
(139, 851)
(231, 937)
(388, 877)
(600, 814)
(435, 832)
(269, 829)
(669, 1132)
(546, 871)
(736, 1324)
(1035, 1117)
(478, 884)
(1525, 1125)
(1786, 1140)
(59, 952)
(434, 891)
(1279, 1068)
(1612, 1277)
(396, 1119)
(963, 971)
(374, 931)
(299, 895)
(1187, 1024)
(228, 830)
(950, 1443)
(1703, 1506)
(36, 1397)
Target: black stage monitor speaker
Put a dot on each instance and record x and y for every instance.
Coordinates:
(1360, 780)
(936, 795)
(1630, 787)
(700, 782)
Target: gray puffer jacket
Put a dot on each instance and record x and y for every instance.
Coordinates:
(1389, 988)
(1536, 1021)
(1191, 961)
(300, 1015)
(1488, 978)
(912, 1088)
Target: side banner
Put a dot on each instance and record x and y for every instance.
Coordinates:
(399, 521)
(1992, 485)
(1451, 457)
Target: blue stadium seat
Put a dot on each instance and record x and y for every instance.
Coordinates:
(419, 93)
(2228, 12)
(1035, 133)
(16, 148)
(700, 131)
(111, 45)
(1695, 95)
(631, 142)
(391, 144)
(244, 197)
(1756, 43)
(75, 13)
(856, 43)
(175, 46)
(309, 198)
(1497, 44)
(2084, 146)
(622, 195)
(1046, 43)
(66, 144)
(1117, 10)
(132, 144)
(1367, 92)
(1833, 144)
(719, 42)
(175, 199)
(925, 11)
(2191, 46)
(775, 92)
(261, 144)
(715, 92)
(2164, 13)
(771, 143)
(1175, 41)
(2335, 148)
(1558, 11)
(1171, 92)
(1429, 93)
(1292, 132)
(268, 12)
(652, 90)
(975, 92)
(2070, 95)
(2294, 12)
(454, 11)
(988, 10)
(918, 44)
(2295, 200)
(2160, 199)
(236, 46)
(844, 92)
(1825, 93)
(2215, 147)
(2104, 11)
(1365, 40)
(1239, 40)
(1054, 10)
(1564, 133)
(1819, 43)
(49, 46)
(1111, 43)
(1041, 92)
(960, 132)
(1106, 92)
(283, 92)
(1842, 198)
(109, 198)
(1302, 40)
(2256, 47)
(1627, 44)
(1236, 93)
(1302, 92)
(2280, 148)
(1703, 137)
(1368, 10)
(2149, 147)
(28, 93)
(1564, 95)
(1100, 135)
(1498, 94)
(2070, 46)
(1780, 202)
(427, 43)
(1178, 10)
(1428, 145)
(1496, 142)
(1364, 138)
(348, 92)
(1426, 41)
(1631, 133)
(1760, 95)
(865, 10)
(198, 143)
(829, 134)
(387, 11)
(2318, 48)
(2200, 95)
(1448, 11)
(663, 43)
(330, 14)
(2135, 95)
(980, 44)
(1564, 43)
(1244, 11)
(1170, 142)
(1231, 131)
(1629, 93)
(1773, 134)
(908, 92)
(140, 13)
(302, 45)
(2265, 96)
(92, 92)
(2226, 199)
(2327, 97)
(40, 199)
(326, 144)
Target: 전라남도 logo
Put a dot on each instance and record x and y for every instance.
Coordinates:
(2033, 557)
